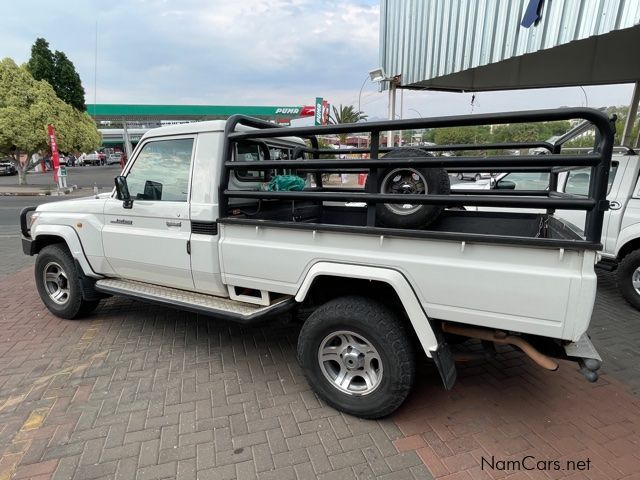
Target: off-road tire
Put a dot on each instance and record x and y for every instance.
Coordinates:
(380, 326)
(437, 182)
(75, 307)
(624, 275)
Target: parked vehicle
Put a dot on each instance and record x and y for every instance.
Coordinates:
(94, 158)
(7, 168)
(114, 158)
(473, 175)
(207, 229)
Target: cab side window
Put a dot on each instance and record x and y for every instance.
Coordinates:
(578, 180)
(161, 171)
(524, 181)
(249, 152)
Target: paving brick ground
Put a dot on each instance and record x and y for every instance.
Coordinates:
(11, 256)
(509, 409)
(149, 393)
(143, 392)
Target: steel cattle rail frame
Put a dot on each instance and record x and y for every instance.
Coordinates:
(594, 204)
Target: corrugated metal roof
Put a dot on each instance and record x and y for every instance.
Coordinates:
(427, 39)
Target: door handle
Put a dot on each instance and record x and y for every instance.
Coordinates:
(614, 205)
(174, 224)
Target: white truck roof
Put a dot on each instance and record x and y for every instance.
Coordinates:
(204, 126)
(185, 128)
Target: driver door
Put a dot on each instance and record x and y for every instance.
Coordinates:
(149, 242)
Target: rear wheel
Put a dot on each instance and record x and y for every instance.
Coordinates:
(58, 283)
(628, 278)
(357, 356)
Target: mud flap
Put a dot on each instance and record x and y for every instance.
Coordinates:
(443, 359)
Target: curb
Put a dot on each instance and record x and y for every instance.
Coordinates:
(41, 193)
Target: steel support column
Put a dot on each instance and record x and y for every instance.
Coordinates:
(631, 117)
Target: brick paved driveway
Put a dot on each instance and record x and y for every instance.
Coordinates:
(144, 392)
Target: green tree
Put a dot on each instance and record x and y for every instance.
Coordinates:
(41, 64)
(67, 83)
(346, 114)
(26, 107)
(554, 129)
(517, 132)
(58, 71)
(461, 135)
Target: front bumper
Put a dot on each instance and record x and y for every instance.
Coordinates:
(28, 246)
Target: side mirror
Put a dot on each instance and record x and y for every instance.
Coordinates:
(505, 185)
(122, 191)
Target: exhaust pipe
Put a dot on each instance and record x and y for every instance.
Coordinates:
(501, 337)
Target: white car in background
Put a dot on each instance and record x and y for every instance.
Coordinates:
(94, 158)
(473, 175)
(114, 158)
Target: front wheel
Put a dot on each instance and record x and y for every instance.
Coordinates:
(58, 283)
(628, 278)
(357, 356)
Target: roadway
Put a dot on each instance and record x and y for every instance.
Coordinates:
(83, 177)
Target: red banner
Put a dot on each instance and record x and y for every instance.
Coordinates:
(308, 111)
(325, 112)
(55, 157)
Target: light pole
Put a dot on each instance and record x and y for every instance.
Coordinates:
(360, 94)
(419, 116)
(359, 99)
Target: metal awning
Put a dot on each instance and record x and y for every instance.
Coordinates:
(479, 45)
(600, 60)
(483, 45)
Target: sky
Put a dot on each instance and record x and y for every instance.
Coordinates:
(243, 52)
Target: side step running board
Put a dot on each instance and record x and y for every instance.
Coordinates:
(218, 307)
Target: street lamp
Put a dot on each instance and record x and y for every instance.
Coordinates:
(379, 75)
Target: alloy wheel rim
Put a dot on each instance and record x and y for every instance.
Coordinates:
(350, 363)
(56, 283)
(635, 280)
(408, 181)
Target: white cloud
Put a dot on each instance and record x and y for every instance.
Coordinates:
(241, 52)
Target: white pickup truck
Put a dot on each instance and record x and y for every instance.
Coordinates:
(199, 221)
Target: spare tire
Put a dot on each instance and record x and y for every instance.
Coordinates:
(409, 180)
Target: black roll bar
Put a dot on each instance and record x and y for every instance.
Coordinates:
(599, 161)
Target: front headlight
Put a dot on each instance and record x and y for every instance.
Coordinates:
(32, 219)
